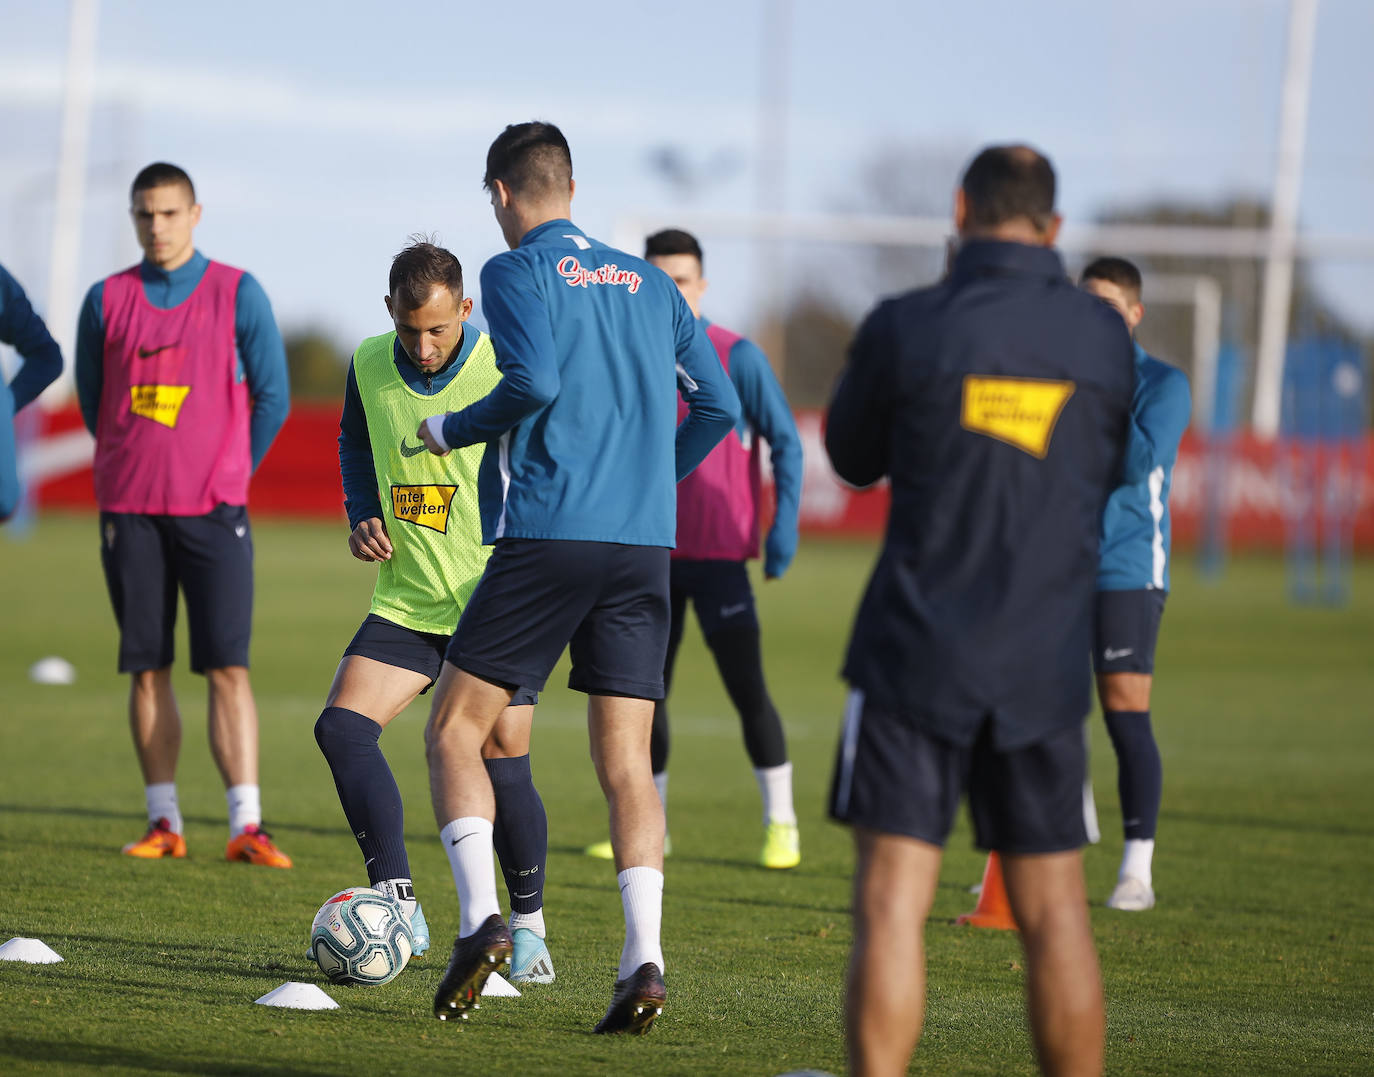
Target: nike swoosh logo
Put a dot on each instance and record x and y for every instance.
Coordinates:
(148, 353)
(455, 841)
(529, 895)
(730, 611)
(1110, 655)
(407, 451)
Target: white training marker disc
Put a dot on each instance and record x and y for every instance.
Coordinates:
(497, 986)
(30, 951)
(52, 670)
(298, 996)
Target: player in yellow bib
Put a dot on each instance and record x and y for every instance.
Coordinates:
(415, 515)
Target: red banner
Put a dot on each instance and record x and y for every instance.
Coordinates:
(1260, 487)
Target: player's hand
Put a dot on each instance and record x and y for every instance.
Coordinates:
(369, 541)
(433, 446)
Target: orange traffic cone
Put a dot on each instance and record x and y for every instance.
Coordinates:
(993, 909)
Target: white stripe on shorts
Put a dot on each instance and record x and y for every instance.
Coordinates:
(849, 745)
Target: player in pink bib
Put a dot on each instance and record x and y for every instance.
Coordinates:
(182, 380)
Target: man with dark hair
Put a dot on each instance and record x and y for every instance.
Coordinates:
(996, 402)
(1133, 583)
(425, 536)
(717, 531)
(24, 331)
(181, 375)
(577, 492)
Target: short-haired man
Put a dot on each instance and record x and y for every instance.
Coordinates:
(24, 331)
(425, 536)
(578, 493)
(181, 376)
(717, 532)
(997, 403)
(1133, 583)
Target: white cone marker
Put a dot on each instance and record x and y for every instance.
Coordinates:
(30, 951)
(497, 986)
(298, 996)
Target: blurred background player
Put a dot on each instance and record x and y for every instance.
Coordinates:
(997, 402)
(717, 531)
(426, 538)
(181, 376)
(578, 493)
(25, 332)
(1133, 582)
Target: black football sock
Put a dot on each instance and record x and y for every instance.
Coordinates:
(367, 790)
(521, 832)
(1139, 773)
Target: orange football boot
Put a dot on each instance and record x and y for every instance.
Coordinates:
(254, 846)
(160, 841)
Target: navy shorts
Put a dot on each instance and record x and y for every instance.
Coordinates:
(606, 602)
(894, 777)
(421, 652)
(719, 590)
(1125, 629)
(210, 557)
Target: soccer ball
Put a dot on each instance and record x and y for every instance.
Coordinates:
(361, 936)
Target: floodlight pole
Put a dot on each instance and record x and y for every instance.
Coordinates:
(71, 191)
(771, 174)
(1276, 304)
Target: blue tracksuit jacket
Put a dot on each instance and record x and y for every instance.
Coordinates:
(593, 345)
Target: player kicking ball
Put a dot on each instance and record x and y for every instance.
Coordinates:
(424, 534)
(1133, 582)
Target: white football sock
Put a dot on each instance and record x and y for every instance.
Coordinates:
(1136, 859)
(161, 798)
(470, 855)
(775, 786)
(402, 891)
(532, 920)
(641, 894)
(245, 808)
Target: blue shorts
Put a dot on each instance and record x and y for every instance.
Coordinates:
(421, 652)
(894, 777)
(718, 590)
(210, 557)
(1125, 630)
(606, 602)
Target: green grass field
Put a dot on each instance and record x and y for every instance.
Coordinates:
(1258, 959)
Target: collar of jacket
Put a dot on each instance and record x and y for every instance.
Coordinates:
(980, 257)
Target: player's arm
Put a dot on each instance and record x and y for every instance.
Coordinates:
(1159, 418)
(860, 413)
(264, 365)
(89, 364)
(713, 406)
(24, 330)
(518, 320)
(766, 410)
(367, 539)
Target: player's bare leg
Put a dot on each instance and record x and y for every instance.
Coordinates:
(618, 729)
(376, 689)
(232, 716)
(155, 723)
(1063, 981)
(885, 992)
(464, 713)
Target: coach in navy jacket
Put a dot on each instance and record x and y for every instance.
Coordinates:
(997, 403)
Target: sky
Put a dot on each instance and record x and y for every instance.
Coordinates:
(321, 135)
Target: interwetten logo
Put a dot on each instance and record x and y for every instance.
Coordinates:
(161, 403)
(570, 269)
(1019, 411)
(424, 506)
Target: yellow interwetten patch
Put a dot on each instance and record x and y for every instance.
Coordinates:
(424, 506)
(161, 403)
(1020, 411)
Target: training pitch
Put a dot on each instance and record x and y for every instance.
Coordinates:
(1258, 959)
